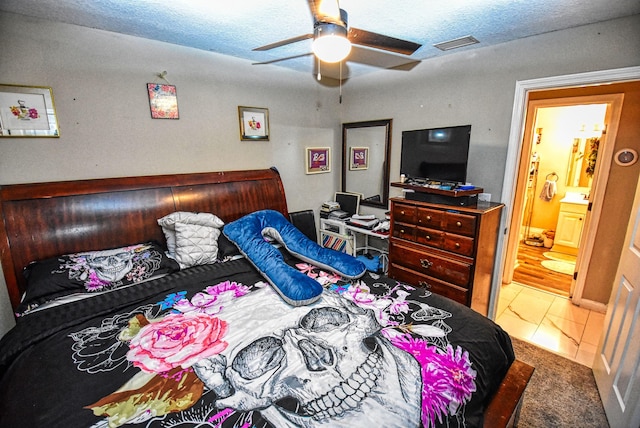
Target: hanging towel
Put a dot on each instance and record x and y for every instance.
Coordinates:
(548, 190)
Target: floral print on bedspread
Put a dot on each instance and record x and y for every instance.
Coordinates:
(366, 354)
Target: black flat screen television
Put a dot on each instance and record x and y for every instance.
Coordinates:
(438, 154)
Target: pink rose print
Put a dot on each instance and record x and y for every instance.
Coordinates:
(178, 340)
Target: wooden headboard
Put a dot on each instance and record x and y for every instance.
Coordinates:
(44, 220)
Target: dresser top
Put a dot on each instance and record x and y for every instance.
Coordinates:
(480, 208)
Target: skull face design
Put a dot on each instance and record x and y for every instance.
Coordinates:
(312, 365)
(111, 265)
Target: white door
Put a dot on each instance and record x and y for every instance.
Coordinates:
(617, 364)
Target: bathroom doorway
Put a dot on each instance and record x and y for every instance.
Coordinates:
(563, 148)
(570, 327)
(563, 163)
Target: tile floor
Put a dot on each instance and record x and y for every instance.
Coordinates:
(550, 321)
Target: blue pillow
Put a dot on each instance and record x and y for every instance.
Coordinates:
(294, 287)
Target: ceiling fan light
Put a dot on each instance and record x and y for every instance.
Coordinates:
(330, 43)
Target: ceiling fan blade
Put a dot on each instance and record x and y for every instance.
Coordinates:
(322, 11)
(282, 59)
(327, 11)
(380, 41)
(284, 42)
(380, 59)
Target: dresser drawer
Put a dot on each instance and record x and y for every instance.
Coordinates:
(459, 223)
(430, 237)
(404, 231)
(426, 217)
(404, 213)
(434, 285)
(431, 264)
(458, 244)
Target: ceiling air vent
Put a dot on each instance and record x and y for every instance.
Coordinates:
(456, 43)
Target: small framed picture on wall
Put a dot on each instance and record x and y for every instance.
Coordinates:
(359, 158)
(318, 160)
(27, 111)
(254, 123)
(163, 101)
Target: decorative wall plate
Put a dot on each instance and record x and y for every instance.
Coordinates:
(626, 157)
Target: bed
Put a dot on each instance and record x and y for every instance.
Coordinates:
(203, 341)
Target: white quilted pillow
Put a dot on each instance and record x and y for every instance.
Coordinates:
(195, 244)
(192, 238)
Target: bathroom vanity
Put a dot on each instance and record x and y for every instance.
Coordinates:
(573, 210)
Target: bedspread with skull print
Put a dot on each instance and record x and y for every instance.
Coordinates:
(371, 352)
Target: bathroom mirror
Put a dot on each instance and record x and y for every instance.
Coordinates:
(366, 148)
(582, 159)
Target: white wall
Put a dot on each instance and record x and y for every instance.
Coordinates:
(99, 85)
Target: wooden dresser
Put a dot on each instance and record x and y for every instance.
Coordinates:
(446, 248)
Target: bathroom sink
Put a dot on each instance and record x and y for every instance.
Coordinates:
(574, 198)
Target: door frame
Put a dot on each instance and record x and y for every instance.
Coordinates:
(514, 149)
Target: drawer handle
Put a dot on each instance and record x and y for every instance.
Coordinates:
(428, 238)
(424, 284)
(458, 224)
(428, 218)
(425, 263)
(457, 245)
(402, 212)
(402, 231)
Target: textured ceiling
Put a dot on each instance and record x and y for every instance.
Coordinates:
(236, 27)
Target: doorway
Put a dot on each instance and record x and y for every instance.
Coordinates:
(558, 175)
(583, 226)
(564, 149)
(606, 82)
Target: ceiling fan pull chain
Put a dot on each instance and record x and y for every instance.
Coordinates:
(319, 75)
(340, 99)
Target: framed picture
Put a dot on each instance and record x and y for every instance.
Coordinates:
(254, 123)
(27, 111)
(163, 101)
(318, 160)
(359, 158)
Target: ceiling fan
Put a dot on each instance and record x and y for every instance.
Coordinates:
(330, 25)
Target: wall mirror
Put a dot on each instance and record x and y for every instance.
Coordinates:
(582, 161)
(366, 148)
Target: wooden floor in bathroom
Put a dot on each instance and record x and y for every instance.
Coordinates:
(531, 272)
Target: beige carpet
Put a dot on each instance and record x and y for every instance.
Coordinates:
(559, 266)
